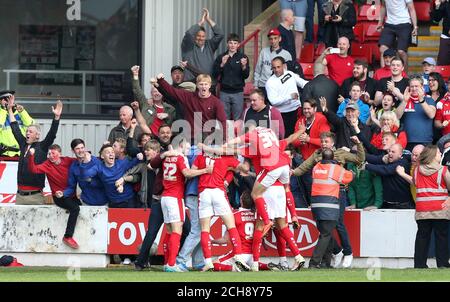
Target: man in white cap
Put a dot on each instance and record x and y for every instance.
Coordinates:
(428, 65)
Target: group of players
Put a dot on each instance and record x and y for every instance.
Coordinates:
(245, 229)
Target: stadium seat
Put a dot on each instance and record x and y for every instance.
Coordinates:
(370, 32)
(369, 13)
(308, 70)
(360, 51)
(307, 55)
(423, 9)
(320, 49)
(375, 50)
(358, 31)
(444, 70)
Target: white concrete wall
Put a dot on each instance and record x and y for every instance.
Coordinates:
(40, 229)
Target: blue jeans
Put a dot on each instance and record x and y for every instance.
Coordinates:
(192, 243)
(310, 21)
(340, 227)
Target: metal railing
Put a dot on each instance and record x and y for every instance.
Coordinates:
(83, 73)
(255, 36)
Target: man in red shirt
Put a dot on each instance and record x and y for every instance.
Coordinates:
(213, 202)
(175, 170)
(340, 65)
(57, 168)
(385, 72)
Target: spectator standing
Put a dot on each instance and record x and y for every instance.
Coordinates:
(56, 168)
(231, 69)
(417, 112)
(30, 185)
(315, 124)
(201, 101)
(355, 98)
(327, 178)
(321, 86)
(287, 34)
(121, 130)
(155, 111)
(339, 17)
(365, 191)
(340, 66)
(92, 191)
(263, 68)
(441, 11)
(8, 144)
(360, 75)
(385, 72)
(401, 24)
(283, 94)
(199, 51)
(344, 126)
(300, 8)
(432, 208)
(310, 21)
(428, 66)
(438, 93)
(396, 191)
(263, 115)
(395, 84)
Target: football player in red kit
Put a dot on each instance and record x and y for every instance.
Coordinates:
(213, 202)
(175, 170)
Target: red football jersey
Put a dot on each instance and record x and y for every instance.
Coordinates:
(443, 114)
(265, 145)
(173, 178)
(220, 170)
(245, 225)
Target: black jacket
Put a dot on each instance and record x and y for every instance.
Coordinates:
(371, 87)
(24, 176)
(333, 30)
(442, 13)
(231, 76)
(344, 130)
(395, 188)
(287, 40)
(320, 86)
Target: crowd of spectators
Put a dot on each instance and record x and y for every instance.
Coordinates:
(376, 126)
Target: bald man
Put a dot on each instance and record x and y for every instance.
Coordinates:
(122, 130)
(396, 190)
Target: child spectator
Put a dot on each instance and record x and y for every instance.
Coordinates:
(355, 97)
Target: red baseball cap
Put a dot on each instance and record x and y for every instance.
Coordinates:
(274, 32)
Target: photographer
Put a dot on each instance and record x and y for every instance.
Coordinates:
(339, 19)
(8, 144)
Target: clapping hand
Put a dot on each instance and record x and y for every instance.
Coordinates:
(323, 103)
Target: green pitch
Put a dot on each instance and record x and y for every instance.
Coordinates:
(127, 274)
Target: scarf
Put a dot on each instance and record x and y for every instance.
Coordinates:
(413, 99)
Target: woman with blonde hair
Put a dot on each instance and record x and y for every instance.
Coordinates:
(389, 123)
(432, 182)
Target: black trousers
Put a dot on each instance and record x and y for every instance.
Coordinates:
(324, 248)
(422, 244)
(289, 120)
(155, 221)
(73, 206)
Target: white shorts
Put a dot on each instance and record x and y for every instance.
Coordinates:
(268, 178)
(275, 197)
(212, 202)
(173, 209)
(299, 24)
(228, 258)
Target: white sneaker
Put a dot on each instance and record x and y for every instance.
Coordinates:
(243, 266)
(126, 261)
(337, 259)
(209, 266)
(299, 261)
(255, 267)
(347, 261)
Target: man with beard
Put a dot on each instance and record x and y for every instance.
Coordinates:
(30, 185)
(368, 85)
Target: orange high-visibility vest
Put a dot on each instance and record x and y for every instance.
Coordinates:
(326, 179)
(431, 190)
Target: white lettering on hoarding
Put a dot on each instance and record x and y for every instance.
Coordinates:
(132, 238)
(74, 11)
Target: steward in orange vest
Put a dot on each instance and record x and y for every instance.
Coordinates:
(327, 176)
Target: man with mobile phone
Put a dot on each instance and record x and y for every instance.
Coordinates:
(338, 20)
